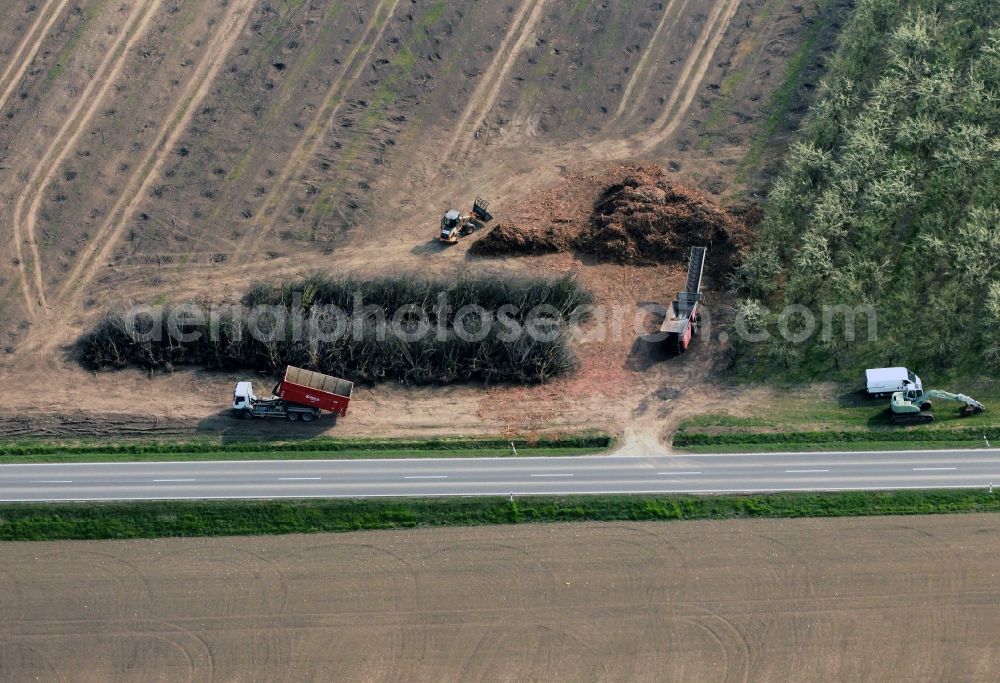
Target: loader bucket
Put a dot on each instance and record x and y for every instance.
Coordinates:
(480, 210)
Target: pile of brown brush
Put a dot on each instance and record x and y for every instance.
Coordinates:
(641, 218)
(647, 218)
(507, 238)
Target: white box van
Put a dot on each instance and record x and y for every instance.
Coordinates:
(885, 381)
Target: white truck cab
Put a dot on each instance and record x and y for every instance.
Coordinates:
(243, 397)
(886, 381)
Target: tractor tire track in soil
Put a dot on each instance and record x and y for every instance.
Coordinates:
(9, 81)
(691, 76)
(642, 73)
(25, 225)
(492, 81)
(699, 600)
(34, 38)
(325, 117)
(169, 134)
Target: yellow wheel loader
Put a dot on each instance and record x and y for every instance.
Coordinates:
(455, 224)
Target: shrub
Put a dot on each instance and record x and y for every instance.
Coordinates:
(298, 326)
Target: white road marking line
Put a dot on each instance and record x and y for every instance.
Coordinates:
(427, 476)
(929, 469)
(299, 478)
(165, 481)
(672, 473)
(553, 475)
(803, 471)
(505, 492)
(53, 481)
(529, 458)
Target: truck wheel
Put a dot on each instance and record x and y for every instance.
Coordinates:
(293, 416)
(308, 417)
(245, 415)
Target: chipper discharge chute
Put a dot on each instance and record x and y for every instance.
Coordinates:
(684, 315)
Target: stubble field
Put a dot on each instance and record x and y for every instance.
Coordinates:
(884, 599)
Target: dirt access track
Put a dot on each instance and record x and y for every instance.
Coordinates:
(160, 150)
(878, 599)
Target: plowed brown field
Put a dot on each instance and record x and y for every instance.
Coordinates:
(884, 599)
(156, 150)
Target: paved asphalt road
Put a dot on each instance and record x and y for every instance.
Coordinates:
(703, 473)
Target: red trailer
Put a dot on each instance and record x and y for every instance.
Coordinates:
(309, 388)
(300, 395)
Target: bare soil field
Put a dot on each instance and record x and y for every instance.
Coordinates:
(887, 599)
(157, 150)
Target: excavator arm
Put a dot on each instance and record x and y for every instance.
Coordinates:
(970, 402)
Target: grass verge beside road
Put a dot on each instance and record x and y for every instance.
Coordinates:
(64, 521)
(751, 442)
(828, 417)
(307, 449)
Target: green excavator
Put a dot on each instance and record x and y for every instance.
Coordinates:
(914, 407)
